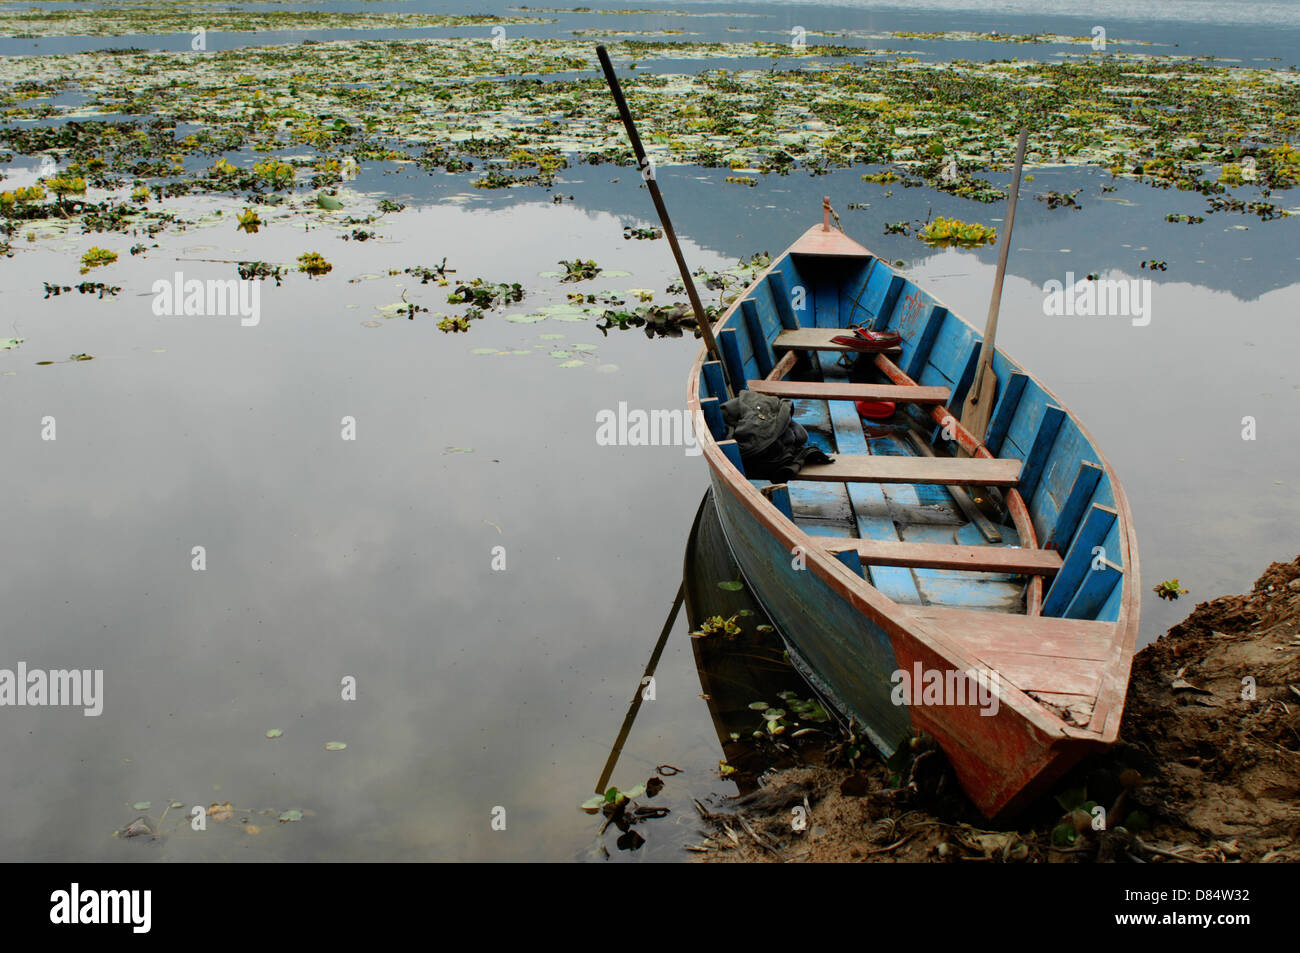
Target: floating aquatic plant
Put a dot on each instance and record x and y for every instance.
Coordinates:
(97, 288)
(65, 185)
(718, 625)
(657, 320)
(260, 270)
(944, 232)
(97, 257)
(485, 294)
(275, 173)
(437, 273)
(1169, 589)
(314, 264)
(579, 270)
(1056, 199)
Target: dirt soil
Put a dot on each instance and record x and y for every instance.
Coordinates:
(1203, 771)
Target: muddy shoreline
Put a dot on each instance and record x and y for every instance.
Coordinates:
(1207, 769)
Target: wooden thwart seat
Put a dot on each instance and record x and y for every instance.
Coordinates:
(835, 390)
(1039, 562)
(818, 339)
(973, 471)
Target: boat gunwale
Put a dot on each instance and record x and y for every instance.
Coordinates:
(897, 619)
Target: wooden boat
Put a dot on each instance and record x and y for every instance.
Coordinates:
(881, 571)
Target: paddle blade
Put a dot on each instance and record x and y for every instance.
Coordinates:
(977, 410)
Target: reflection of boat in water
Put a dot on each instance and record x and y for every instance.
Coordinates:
(740, 669)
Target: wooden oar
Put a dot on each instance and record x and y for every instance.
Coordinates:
(979, 402)
(648, 173)
(635, 707)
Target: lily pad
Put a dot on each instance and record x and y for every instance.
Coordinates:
(7, 344)
(274, 733)
(291, 815)
(335, 745)
(525, 318)
(141, 805)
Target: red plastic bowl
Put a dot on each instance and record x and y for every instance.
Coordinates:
(875, 409)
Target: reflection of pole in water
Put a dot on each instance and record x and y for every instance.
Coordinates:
(640, 692)
(734, 671)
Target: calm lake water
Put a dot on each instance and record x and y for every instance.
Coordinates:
(372, 559)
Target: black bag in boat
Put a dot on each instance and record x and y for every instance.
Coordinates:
(773, 446)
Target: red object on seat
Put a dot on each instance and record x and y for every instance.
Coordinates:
(892, 338)
(875, 409)
(869, 341)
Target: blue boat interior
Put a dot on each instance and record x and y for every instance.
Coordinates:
(806, 299)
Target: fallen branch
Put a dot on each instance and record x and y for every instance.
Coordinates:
(1142, 845)
(884, 850)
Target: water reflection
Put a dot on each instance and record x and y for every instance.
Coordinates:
(738, 671)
